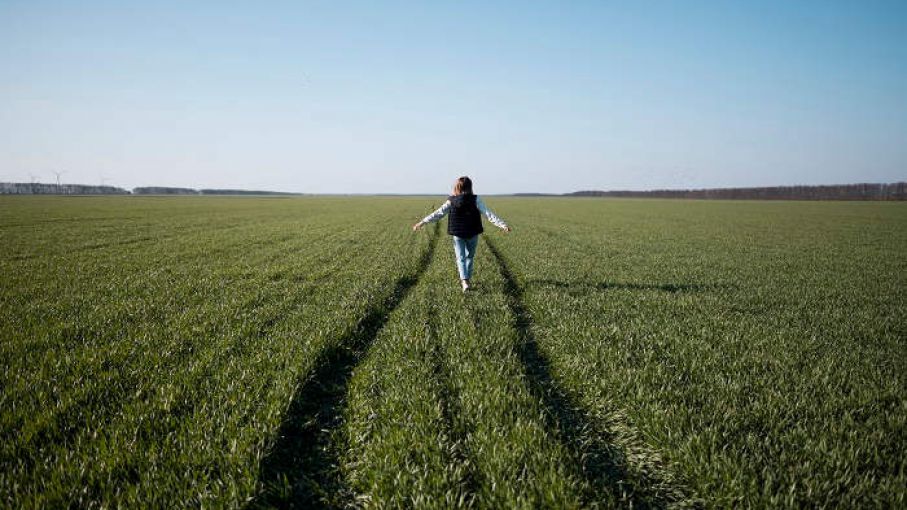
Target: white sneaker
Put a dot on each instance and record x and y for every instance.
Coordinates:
(465, 285)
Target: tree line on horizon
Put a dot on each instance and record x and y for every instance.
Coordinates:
(862, 191)
(36, 188)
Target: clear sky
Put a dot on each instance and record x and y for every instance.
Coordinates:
(359, 97)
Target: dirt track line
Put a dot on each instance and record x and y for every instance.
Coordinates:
(301, 470)
(603, 463)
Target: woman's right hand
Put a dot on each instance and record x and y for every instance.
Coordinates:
(417, 226)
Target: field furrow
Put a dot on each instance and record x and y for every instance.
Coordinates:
(617, 471)
(517, 458)
(302, 466)
(402, 448)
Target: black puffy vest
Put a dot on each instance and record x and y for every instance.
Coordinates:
(464, 219)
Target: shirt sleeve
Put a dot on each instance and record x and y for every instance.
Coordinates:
(488, 214)
(438, 214)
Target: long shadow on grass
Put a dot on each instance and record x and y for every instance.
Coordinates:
(603, 463)
(301, 470)
(583, 287)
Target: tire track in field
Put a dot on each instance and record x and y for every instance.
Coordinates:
(604, 463)
(301, 470)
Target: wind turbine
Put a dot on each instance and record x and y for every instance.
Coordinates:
(58, 173)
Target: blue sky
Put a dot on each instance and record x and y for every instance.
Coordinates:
(359, 97)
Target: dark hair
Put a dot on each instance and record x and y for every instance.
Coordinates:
(463, 186)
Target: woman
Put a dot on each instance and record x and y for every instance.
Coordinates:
(464, 224)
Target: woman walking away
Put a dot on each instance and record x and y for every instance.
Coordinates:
(464, 224)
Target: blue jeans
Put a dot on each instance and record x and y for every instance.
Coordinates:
(465, 251)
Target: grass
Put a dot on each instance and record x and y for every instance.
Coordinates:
(758, 348)
(230, 352)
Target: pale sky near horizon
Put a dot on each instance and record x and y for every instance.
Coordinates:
(402, 97)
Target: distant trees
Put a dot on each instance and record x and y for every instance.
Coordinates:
(162, 190)
(241, 192)
(864, 191)
(157, 190)
(37, 188)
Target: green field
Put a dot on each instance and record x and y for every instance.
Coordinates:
(258, 352)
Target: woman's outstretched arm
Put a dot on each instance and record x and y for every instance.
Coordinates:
(492, 217)
(435, 216)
